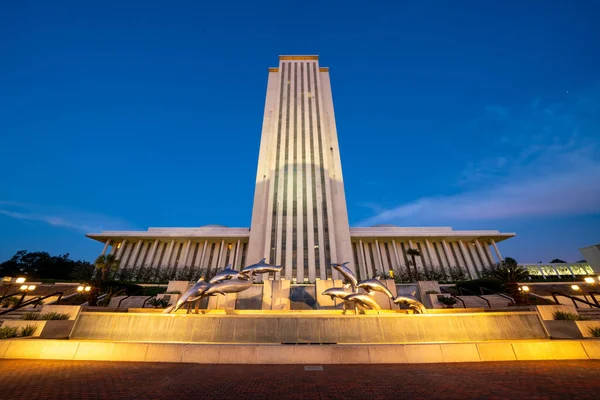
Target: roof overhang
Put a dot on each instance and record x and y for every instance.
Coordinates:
(439, 233)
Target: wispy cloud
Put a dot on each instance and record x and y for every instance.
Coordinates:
(61, 217)
(544, 162)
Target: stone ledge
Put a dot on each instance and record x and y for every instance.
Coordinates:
(301, 354)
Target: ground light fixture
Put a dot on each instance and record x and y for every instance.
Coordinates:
(31, 287)
(575, 287)
(87, 288)
(525, 288)
(23, 287)
(590, 280)
(80, 289)
(20, 280)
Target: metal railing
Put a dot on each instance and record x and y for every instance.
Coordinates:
(481, 288)
(575, 300)
(149, 297)
(34, 300)
(453, 296)
(142, 290)
(461, 290)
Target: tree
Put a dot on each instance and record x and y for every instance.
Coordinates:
(558, 261)
(107, 263)
(414, 253)
(510, 273)
(42, 265)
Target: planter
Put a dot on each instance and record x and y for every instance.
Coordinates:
(52, 329)
(563, 329)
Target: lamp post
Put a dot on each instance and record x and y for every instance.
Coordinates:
(25, 289)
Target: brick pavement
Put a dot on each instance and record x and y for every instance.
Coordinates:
(95, 380)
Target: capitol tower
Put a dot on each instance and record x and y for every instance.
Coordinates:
(299, 217)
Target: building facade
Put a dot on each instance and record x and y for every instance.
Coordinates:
(299, 217)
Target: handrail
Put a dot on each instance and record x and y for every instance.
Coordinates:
(481, 288)
(573, 299)
(9, 295)
(34, 300)
(144, 303)
(460, 290)
(132, 294)
(456, 297)
(594, 297)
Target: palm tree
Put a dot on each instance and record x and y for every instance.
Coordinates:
(107, 263)
(511, 274)
(414, 253)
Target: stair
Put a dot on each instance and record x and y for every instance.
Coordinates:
(590, 313)
(17, 314)
(130, 302)
(495, 300)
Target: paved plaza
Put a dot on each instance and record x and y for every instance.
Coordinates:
(34, 379)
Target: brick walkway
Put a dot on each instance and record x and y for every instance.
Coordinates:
(29, 380)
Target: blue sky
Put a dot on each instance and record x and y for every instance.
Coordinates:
(124, 115)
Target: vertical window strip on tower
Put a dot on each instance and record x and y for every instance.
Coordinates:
(322, 170)
(276, 179)
(304, 177)
(286, 168)
(295, 176)
(314, 174)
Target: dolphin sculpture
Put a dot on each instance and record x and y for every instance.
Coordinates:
(194, 293)
(234, 285)
(413, 304)
(261, 267)
(227, 273)
(375, 285)
(348, 275)
(339, 292)
(363, 300)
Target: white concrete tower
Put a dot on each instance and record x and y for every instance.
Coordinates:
(299, 218)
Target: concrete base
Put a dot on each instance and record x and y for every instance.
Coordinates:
(308, 327)
(52, 329)
(298, 354)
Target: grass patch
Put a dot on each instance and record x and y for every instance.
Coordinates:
(7, 332)
(594, 331)
(27, 330)
(566, 316)
(51, 316)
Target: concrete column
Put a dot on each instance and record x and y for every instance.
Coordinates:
(200, 259)
(184, 254)
(448, 254)
(473, 252)
(125, 255)
(386, 260)
(432, 256)
(500, 259)
(418, 260)
(105, 247)
(113, 250)
(481, 253)
(381, 269)
(465, 255)
(132, 256)
(488, 253)
(151, 256)
(121, 248)
(368, 264)
(220, 260)
(167, 258)
(236, 257)
(398, 262)
(363, 264)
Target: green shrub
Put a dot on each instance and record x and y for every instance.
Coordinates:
(566, 316)
(54, 316)
(27, 330)
(159, 303)
(7, 332)
(448, 301)
(31, 316)
(594, 331)
(173, 292)
(9, 301)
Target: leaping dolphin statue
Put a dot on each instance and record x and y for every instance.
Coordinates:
(234, 285)
(261, 267)
(375, 285)
(227, 273)
(364, 300)
(348, 275)
(192, 294)
(339, 292)
(413, 304)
